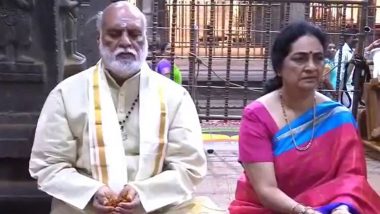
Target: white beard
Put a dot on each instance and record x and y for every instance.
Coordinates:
(122, 68)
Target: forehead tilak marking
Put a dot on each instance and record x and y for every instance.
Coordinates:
(125, 22)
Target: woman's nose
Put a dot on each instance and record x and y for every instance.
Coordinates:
(311, 64)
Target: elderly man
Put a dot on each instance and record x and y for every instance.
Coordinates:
(118, 137)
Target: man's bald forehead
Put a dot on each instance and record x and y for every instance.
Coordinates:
(123, 6)
(123, 13)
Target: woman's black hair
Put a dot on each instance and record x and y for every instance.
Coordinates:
(282, 45)
(163, 46)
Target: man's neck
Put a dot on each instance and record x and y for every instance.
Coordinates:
(119, 80)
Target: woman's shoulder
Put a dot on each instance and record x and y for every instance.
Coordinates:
(253, 107)
(329, 61)
(321, 98)
(259, 107)
(328, 104)
(260, 112)
(268, 97)
(269, 100)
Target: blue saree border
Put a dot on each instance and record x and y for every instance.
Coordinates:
(327, 209)
(329, 116)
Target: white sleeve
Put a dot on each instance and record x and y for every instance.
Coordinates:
(53, 157)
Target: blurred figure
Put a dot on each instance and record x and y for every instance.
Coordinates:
(372, 52)
(348, 49)
(329, 77)
(164, 66)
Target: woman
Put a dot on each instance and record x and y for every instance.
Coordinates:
(329, 71)
(301, 152)
(164, 66)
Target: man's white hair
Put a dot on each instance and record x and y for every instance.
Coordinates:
(99, 21)
(99, 16)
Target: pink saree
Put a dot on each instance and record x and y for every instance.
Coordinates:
(332, 172)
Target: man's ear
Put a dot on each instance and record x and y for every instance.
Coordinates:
(98, 38)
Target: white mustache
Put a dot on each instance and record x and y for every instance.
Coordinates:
(123, 51)
(122, 68)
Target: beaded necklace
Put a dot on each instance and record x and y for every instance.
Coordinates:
(123, 122)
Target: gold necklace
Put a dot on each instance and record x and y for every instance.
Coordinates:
(308, 145)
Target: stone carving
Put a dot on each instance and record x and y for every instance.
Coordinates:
(15, 28)
(15, 42)
(74, 61)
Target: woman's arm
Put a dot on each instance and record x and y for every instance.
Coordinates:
(263, 180)
(256, 154)
(369, 48)
(373, 45)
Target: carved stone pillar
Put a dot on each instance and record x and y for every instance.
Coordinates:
(67, 24)
(28, 71)
(40, 45)
(16, 50)
(87, 32)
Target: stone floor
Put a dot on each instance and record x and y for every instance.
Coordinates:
(223, 171)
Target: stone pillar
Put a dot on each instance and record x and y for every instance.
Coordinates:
(38, 40)
(87, 32)
(297, 12)
(67, 28)
(28, 71)
(146, 6)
